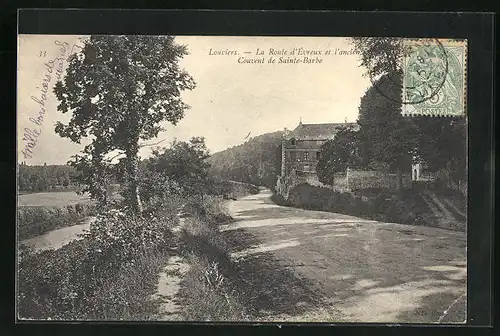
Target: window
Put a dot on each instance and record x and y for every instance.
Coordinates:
(293, 156)
(292, 142)
(318, 155)
(306, 156)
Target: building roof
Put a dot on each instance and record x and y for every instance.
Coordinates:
(317, 131)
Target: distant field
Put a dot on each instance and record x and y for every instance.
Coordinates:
(52, 199)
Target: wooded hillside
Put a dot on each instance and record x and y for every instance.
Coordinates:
(46, 177)
(256, 161)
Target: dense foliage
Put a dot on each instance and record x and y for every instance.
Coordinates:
(338, 154)
(107, 275)
(386, 140)
(406, 206)
(112, 272)
(45, 178)
(181, 169)
(256, 161)
(118, 90)
(442, 145)
(381, 56)
(33, 221)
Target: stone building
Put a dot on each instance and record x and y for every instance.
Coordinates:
(301, 152)
(300, 147)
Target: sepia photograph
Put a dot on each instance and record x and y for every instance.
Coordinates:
(241, 178)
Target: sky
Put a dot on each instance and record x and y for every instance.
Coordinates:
(232, 100)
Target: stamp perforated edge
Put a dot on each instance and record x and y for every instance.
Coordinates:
(461, 42)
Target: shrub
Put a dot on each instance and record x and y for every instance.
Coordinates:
(109, 274)
(117, 236)
(373, 204)
(209, 208)
(279, 199)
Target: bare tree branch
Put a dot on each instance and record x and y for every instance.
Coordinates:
(111, 159)
(152, 144)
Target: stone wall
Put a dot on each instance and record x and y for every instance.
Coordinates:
(340, 183)
(363, 179)
(287, 183)
(351, 180)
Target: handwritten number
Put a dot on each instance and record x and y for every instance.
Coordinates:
(43, 53)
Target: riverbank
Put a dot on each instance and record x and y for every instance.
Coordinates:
(123, 267)
(432, 208)
(58, 238)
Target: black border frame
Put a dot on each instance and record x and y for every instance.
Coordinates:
(477, 28)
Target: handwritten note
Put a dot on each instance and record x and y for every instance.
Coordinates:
(53, 72)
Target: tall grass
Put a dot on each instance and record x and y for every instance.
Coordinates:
(208, 291)
(208, 294)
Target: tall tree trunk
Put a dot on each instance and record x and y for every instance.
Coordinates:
(400, 178)
(134, 198)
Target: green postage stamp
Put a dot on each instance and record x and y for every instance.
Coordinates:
(434, 77)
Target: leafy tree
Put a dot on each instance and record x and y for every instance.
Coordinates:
(387, 140)
(379, 55)
(440, 142)
(94, 172)
(182, 168)
(338, 154)
(119, 89)
(66, 179)
(443, 145)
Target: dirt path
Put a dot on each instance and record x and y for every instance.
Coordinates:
(169, 280)
(319, 266)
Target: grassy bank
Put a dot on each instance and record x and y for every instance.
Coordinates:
(211, 289)
(404, 207)
(39, 213)
(208, 291)
(108, 275)
(112, 273)
(33, 221)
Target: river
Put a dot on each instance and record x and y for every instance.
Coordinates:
(56, 239)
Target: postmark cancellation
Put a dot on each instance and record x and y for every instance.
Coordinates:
(434, 77)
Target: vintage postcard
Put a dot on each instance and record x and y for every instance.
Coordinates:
(245, 179)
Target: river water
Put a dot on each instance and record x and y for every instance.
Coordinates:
(58, 238)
